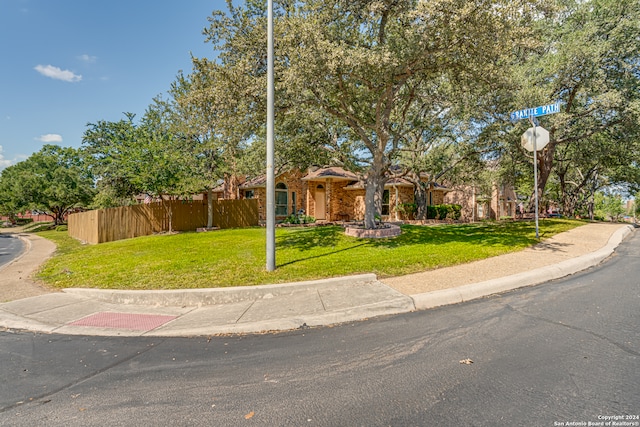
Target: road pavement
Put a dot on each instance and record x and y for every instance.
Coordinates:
(562, 353)
(10, 248)
(205, 312)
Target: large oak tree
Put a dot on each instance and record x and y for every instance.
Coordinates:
(53, 180)
(370, 64)
(590, 63)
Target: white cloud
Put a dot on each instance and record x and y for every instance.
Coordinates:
(88, 58)
(50, 137)
(57, 73)
(3, 162)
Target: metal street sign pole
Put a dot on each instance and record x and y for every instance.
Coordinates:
(271, 188)
(535, 172)
(530, 113)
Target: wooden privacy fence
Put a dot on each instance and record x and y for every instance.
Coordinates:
(108, 225)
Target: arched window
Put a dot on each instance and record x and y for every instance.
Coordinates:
(281, 199)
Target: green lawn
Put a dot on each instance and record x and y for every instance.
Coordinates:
(237, 257)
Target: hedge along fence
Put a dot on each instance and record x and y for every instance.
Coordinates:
(108, 225)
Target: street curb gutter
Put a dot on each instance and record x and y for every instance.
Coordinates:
(355, 314)
(529, 278)
(25, 250)
(213, 296)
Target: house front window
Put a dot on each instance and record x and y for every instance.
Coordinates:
(385, 202)
(281, 199)
(248, 194)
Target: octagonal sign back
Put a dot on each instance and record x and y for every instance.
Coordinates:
(542, 138)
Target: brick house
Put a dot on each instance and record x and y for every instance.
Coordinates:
(476, 205)
(291, 193)
(334, 194)
(328, 194)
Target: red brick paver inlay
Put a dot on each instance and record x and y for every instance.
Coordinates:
(138, 322)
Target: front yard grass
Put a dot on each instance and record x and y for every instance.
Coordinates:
(237, 257)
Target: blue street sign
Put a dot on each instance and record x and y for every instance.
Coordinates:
(535, 112)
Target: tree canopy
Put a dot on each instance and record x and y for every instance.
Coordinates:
(392, 87)
(589, 62)
(53, 180)
(381, 69)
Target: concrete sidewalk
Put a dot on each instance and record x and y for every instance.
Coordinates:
(198, 312)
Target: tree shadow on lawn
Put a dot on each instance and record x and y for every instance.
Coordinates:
(307, 238)
(472, 234)
(493, 234)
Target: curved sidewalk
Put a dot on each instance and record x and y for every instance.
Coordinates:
(202, 312)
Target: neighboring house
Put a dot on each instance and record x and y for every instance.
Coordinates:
(329, 194)
(502, 202)
(146, 199)
(34, 215)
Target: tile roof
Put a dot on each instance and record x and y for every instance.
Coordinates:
(257, 182)
(334, 172)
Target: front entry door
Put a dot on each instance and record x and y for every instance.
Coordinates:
(320, 199)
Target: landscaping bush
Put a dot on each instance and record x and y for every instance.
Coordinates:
(298, 219)
(443, 212)
(23, 221)
(406, 210)
(456, 211)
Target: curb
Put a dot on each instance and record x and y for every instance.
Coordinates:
(213, 296)
(529, 278)
(354, 314)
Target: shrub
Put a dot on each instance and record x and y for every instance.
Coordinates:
(407, 209)
(457, 211)
(298, 219)
(443, 212)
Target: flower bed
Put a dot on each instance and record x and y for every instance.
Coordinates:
(388, 230)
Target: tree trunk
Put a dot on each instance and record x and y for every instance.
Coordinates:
(231, 186)
(592, 202)
(545, 166)
(167, 206)
(374, 186)
(210, 208)
(58, 216)
(420, 201)
(420, 195)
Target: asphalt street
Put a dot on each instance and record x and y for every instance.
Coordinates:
(565, 352)
(10, 248)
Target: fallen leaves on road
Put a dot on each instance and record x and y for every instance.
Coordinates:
(249, 415)
(466, 361)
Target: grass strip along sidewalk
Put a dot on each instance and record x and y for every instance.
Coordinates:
(236, 257)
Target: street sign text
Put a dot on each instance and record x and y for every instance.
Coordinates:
(535, 112)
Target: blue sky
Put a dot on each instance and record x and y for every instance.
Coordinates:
(66, 63)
